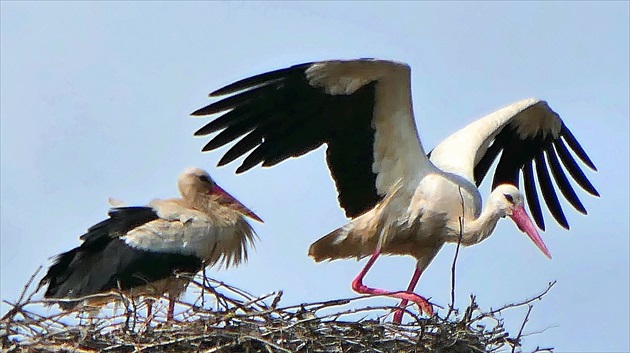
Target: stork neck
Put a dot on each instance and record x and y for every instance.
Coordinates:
(477, 230)
(200, 201)
(207, 203)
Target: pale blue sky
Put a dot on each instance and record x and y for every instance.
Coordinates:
(95, 100)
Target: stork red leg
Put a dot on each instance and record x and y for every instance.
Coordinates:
(398, 315)
(359, 287)
(171, 308)
(149, 304)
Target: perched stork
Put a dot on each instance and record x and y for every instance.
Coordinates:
(140, 250)
(400, 200)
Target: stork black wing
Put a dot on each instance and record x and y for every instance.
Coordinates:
(105, 262)
(278, 115)
(121, 220)
(519, 153)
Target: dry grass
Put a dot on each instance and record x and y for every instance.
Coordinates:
(222, 318)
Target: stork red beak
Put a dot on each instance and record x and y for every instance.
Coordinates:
(225, 198)
(524, 223)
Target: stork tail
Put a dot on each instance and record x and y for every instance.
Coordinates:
(342, 243)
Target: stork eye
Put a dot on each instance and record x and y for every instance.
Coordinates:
(509, 198)
(205, 179)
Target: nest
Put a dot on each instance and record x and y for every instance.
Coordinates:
(216, 317)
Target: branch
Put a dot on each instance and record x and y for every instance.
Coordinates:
(453, 266)
(526, 301)
(255, 324)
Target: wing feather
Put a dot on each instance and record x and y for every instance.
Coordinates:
(482, 168)
(563, 183)
(573, 168)
(532, 195)
(289, 112)
(522, 133)
(548, 192)
(244, 145)
(235, 130)
(236, 115)
(121, 220)
(265, 78)
(576, 147)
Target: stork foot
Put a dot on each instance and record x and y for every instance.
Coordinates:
(427, 308)
(406, 297)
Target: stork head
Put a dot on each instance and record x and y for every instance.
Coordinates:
(508, 201)
(196, 182)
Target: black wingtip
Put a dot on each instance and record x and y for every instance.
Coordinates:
(562, 221)
(532, 196)
(576, 147)
(198, 112)
(214, 108)
(574, 170)
(262, 79)
(548, 191)
(203, 131)
(223, 161)
(207, 110)
(562, 182)
(239, 170)
(210, 146)
(227, 159)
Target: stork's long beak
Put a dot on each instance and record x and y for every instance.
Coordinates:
(225, 198)
(524, 223)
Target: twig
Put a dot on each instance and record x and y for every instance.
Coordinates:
(255, 324)
(266, 342)
(524, 302)
(20, 301)
(520, 332)
(453, 266)
(539, 331)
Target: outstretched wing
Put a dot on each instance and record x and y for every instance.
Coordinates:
(532, 139)
(361, 109)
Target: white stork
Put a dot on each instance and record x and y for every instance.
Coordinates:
(140, 250)
(400, 200)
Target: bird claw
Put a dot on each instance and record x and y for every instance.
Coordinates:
(426, 307)
(422, 303)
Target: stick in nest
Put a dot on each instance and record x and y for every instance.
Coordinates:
(244, 322)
